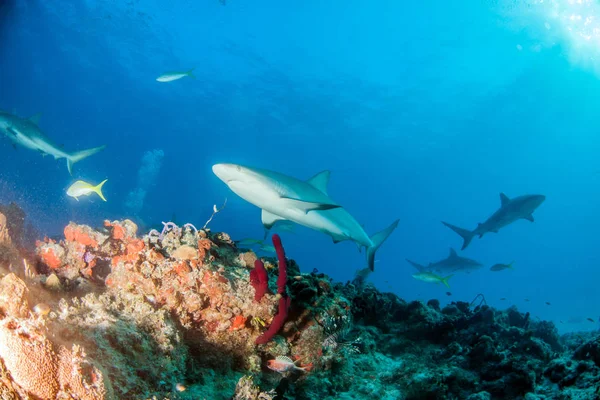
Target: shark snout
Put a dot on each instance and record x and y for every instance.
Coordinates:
(538, 199)
(226, 172)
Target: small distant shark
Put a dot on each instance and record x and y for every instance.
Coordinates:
(451, 264)
(26, 132)
(510, 210)
(307, 203)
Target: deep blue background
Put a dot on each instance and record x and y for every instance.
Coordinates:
(422, 112)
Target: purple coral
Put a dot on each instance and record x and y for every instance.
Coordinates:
(192, 227)
(169, 226)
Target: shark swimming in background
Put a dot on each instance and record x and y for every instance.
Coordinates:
(449, 265)
(307, 203)
(26, 132)
(510, 210)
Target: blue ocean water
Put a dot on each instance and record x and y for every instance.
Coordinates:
(423, 112)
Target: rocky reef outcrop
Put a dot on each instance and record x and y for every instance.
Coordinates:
(108, 314)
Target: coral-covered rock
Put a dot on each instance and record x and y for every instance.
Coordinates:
(4, 235)
(173, 314)
(13, 297)
(29, 357)
(79, 378)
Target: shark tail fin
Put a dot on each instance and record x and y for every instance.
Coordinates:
(445, 281)
(377, 240)
(510, 265)
(419, 267)
(190, 73)
(465, 234)
(98, 189)
(80, 155)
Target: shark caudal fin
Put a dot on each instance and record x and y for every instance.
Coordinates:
(465, 234)
(98, 189)
(80, 155)
(445, 281)
(377, 240)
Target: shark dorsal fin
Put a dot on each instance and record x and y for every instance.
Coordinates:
(35, 118)
(503, 199)
(320, 181)
(452, 253)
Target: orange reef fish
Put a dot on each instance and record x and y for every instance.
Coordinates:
(283, 364)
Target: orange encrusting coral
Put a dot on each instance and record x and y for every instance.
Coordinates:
(133, 249)
(118, 232)
(75, 234)
(238, 322)
(203, 246)
(50, 259)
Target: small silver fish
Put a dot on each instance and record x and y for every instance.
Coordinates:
(173, 76)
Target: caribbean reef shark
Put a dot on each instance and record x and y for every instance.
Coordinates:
(25, 132)
(510, 210)
(451, 264)
(307, 203)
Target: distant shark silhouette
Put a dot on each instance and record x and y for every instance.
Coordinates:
(26, 132)
(307, 203)
(510, 210)
(451, 264)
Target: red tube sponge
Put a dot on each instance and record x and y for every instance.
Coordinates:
(259, 280)
(284, 301)
(278, 321)
(282, 279)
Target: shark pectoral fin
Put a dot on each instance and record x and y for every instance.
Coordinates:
(269, 219)
(339, 238)
(320, 181)
(529, 217)
(35, 118)
(14, 146)
(306, 206)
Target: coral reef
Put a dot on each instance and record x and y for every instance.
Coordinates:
(181, 314)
